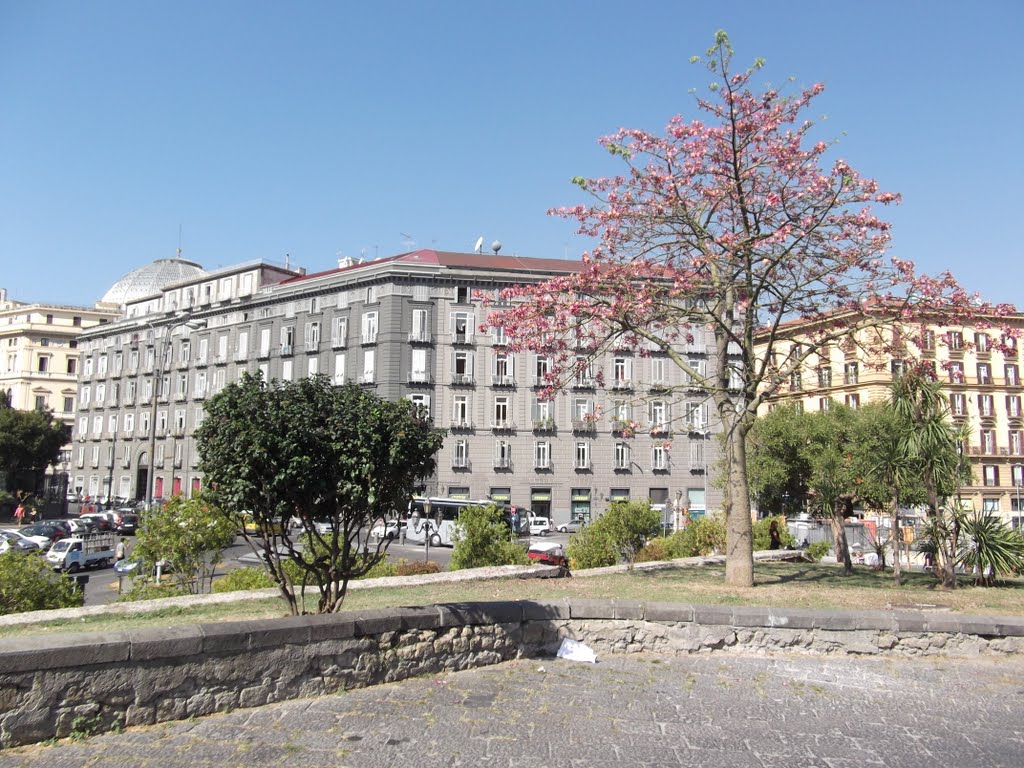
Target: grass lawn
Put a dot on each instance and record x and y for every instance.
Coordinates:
(796, 585)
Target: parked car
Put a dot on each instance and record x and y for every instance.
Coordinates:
(127, 521)
(131, 567)
(83, 526)
(548, 553)
(389, 530)
(45, 533)
(539, 526)
(572, 527)
(104, 520)
(13, 540)
(73, 554)
(250, 527)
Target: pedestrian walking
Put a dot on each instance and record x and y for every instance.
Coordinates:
(122, 550)
(19, 514)
(773, 535)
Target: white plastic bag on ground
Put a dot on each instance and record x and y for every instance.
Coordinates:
(573, 650)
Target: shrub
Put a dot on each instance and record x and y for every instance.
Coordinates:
(818, 550)
(654, 550)
(989, 547)
(416, 567)
(762, 535)
(381, 570)
(628, 525)
(243, 579)
(481, 539)
(590, 548)
(701, 536)
(28, 583)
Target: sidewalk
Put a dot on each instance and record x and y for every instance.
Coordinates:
(721, 711)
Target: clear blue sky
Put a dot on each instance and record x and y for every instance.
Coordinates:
(324, 128)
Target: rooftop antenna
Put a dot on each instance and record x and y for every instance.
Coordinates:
(479, 244)
(496, 246)
(179, 240)
(408, 242)
(287, 260)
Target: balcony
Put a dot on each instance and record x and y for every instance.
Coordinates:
(544, 425)
(503, 381)
(621, 465)
(460, 462)
(312, 346)
(365, 378)
(338, 342)
(503, 462)
(661, 428)
(462, 379)
(585, 382)
(582, 465)
(620, 385)
(542, 464)
(420, 377)
(502, 425)
(462, 337)
(460, 425)
(368, 338)
(287, 350)
(420, 337)
(584, 425)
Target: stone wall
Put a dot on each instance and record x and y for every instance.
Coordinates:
(51, 685)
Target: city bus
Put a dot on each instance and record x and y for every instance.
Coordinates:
(439, 526)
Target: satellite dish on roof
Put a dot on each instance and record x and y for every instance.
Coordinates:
(479, 244)
(496, 246)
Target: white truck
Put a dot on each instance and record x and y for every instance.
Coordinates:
(76, 553)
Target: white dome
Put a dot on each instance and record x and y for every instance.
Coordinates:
(150, 279)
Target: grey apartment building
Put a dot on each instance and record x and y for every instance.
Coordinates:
(406, 326)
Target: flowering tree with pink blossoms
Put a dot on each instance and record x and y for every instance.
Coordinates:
(732, 224)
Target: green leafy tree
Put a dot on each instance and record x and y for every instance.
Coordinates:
(315, 452)
(481, 539)
(591, 547)
(30, 441)
(778, 468)
(989, 547)
(628, 525)
(762, 532)
(28, 583)
(189, 535)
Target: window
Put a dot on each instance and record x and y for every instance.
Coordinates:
(621, 456)
(339, 332)
(372, 294)
(697, 416)
(369, 364)
(542, 455)
(851, 373)
(955, 340)
(200, 386)
(460, 457)
(463, 295)
(503, 455)
(825, 377)
(541, 370)
(990, 475)
(897, 367)
(990, 506)
(984, 373)
(982, 342)
(181, 388)
(101, 393)
(264, 343)
(584, 373)
(69, 405)
(1013, 406)
(582, 455)
(40, 402)
(1012, 376)
(659, 457)
(958, 404)
(86, 395)
(311, 337)
(622, 372)
(928, 341)
(286, 370)
(824, 403)
(988, 441)
(133, 360)
(460, 411)
(101, 366)
(339, 368)
(499, 336)
(503, 369)
(1017, 475)
(462, 368)
(795, 382)
(313, 366)
(852, 401)
(129, 423)
(421, 401)
(659, 371)
(956, 372)
(502, 413)
(287, 339)
(44, 363)
(420, 326)
(369, 328)
(658, 415)
(542, 414)
(461, 327)
(1015, 442)
(986, 406)
(418, 371)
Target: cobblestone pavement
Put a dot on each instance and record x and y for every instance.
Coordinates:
(709, 711)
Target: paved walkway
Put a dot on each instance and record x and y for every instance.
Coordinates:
(712, 710)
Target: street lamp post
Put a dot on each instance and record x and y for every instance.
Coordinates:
(1019, 476)
(423, 523)
(183, 320)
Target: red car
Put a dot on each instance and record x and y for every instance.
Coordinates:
(546, 553)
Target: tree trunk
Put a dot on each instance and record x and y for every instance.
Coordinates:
(894, 542)
(739, 540)
(839, 536)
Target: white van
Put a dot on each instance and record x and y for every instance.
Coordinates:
(539, 526)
